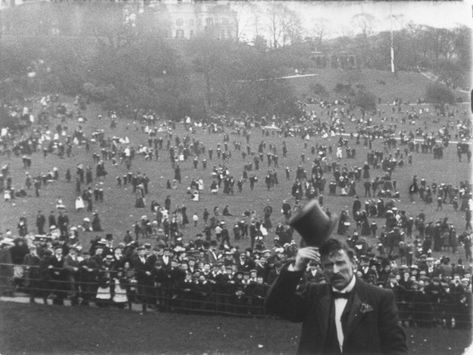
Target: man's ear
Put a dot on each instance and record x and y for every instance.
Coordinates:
(354, 264)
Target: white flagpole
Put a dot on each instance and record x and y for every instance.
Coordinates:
(392, 39)
(392, 52)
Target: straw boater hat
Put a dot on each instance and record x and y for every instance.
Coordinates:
(313, 224)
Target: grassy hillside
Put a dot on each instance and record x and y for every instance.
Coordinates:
(408, 86)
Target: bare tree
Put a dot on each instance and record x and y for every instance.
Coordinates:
(243, 20)
(284, 24)
(364, 22)
(319, 29)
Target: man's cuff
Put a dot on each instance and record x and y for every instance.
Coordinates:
(291, 268)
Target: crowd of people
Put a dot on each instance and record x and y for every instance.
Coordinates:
(198, 276)
(157, 265)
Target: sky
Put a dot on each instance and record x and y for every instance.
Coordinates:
(338, 14)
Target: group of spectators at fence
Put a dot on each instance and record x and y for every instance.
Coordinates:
(197, 276)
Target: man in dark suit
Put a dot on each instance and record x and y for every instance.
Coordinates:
(144, 263)
(58, 276)
(343, 316)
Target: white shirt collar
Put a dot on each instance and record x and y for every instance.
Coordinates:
(340, 304)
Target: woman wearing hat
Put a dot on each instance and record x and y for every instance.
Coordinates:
(104, 290)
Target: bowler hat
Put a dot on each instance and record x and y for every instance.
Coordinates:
(313, 224)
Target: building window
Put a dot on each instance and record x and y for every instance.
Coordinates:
(179, 34)
(179, 22)
(209, 21)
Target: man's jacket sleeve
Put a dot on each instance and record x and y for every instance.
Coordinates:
(393, 338)
(283, 300)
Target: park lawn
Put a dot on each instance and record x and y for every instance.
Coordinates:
(40, 329)
(118, 212)
(66, 330)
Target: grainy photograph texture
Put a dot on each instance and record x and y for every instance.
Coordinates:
(235, 177)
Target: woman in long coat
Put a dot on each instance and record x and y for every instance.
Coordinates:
(6, 268)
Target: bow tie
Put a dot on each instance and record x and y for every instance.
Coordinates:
(345, 295)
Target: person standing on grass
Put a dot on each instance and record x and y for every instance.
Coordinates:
(32, 284)
(72, 266)
(468, 219)
(37, 186)
(40, 222)
(144, 263)
(57, 276)
(466, 240)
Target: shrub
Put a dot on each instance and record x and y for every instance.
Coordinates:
(99, 93)
(319, 90)
(344, 89)
(365, 100)
(437, 93)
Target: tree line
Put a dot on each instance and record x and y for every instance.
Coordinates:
(122, 63)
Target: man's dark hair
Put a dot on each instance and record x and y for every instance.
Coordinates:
(331, 245)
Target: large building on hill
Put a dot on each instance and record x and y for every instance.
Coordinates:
(176, 19)
(4, 4)
(187, 19)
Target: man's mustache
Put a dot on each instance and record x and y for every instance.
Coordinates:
(337, 278)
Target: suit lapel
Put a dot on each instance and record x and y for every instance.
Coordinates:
(323, 312)
(352, 312)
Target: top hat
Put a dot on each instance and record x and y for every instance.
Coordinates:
(313, 224)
